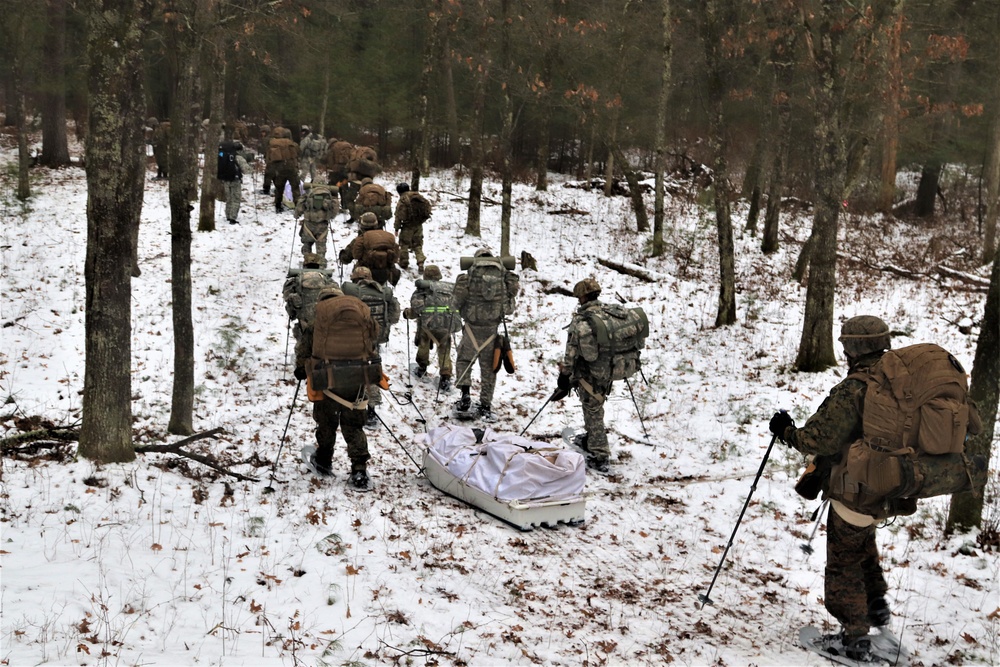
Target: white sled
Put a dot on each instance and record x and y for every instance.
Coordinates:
(525, 483)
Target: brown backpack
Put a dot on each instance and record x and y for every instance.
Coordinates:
(916, 417)
(282, 150)
(343, 350)
(338, 153)
(364, 161)
(377, 250)
(373, 194)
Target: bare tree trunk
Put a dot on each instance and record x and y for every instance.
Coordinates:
(992, 178)
(115, 177)
(324, 105)
(890, 121)
(755, 170)
(712, 42)
(451, 106)
(422, 159)
(210, 185)
(20, 115)
(184, 125)
(966, 508)
(783, 62)
(609, 165)
(588, 165)
(659, 214)
(635, 190)
(55, 147)
(506, 133)
(481, 75)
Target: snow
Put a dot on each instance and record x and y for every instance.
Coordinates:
(160, 564)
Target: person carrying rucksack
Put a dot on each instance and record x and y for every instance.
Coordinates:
(231, 167)
(431, 306)
(316, 208)
(603, 345)
(372, 198)
(311, 148)
(283, 159)
(484, 295)
(874, 456)
(375, 249)
(301, 293)
(412, 211)
(341, 363)
(385, 310)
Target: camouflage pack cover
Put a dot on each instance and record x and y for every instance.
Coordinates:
(320, 204)
(302, 292)
(373, 194)
(491, 289)
(282, 150)
(432, 301)
(621, 335)
(917, 415)
(378, 249)
(377, 300)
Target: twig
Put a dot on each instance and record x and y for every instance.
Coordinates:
(175, 448)
(485, 200)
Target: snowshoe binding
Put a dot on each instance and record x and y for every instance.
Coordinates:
(309, 458)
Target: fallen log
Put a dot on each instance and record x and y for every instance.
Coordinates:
(456, 197)
(569, 211)
(175, 448)
(51, 436)
(976, 283)
(961, 276)
(628, 269)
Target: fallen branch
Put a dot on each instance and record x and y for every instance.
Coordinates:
(628, 269)
(961, 276)
(485, 200)
(175, 448)
(569, 211)
(978, 284)
(12, 443)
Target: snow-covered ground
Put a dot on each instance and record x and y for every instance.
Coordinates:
(154, 563)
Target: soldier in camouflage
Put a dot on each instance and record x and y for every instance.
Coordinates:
(311, 148)
(855, 587)
(385, 309)
(426, 338)
(316, 217)
(478, 336)
(301, 292)
(581, 352)
(409, 231)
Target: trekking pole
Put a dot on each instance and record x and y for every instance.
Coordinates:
(817, 517)
(291, 251)
(419, 467)
(288, 330)
(638, 412)
(704, 597)
(547, 401)
(409, 372)
(274, 467)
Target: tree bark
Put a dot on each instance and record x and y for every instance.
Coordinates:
(480, 75)
(451, 105)
(966, 509)
(55, 146)
(115, 159)
(659, 214)
(992, 176)
(783, 62)
(634, 189)
(711, 25)
(422, 156)
(506, 132)
(215, 71)
(184, 125)
(890, 122)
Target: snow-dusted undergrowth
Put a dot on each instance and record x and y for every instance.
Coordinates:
(158, 563)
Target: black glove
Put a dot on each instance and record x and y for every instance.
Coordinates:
(779, 422)
(300, 373)
(562, 388)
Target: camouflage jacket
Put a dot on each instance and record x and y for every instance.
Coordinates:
(311, 146)
(581, 344)
(838, 421)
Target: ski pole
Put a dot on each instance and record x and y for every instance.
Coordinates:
(419, 468)
(274, 467)
(288, 330)
(704, 597)
(817, 517)
(638, 411)
(547, 401)
(409, 372)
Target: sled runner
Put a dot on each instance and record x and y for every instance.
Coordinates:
(524, 483)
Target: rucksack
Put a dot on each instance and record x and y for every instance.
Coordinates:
(621, 335)
(432, 303)
(379, 249)
(378, 303)
(364, 161)
(307, 285)
(343, 350)
(413, 208)
(319, 203)
(282, 150)
(492, 291)
(916, 418)
(229, 169)
(373, 194)
(338, 153)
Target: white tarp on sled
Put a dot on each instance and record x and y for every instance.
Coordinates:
(523, 482)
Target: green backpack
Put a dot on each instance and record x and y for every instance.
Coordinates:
(320, 204)
(621, 336)
(432, 302)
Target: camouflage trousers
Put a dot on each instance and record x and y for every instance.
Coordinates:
(853, 574)
(374, 391)
(307, 167)
(234, 197)
(314, 233)
(425, 340)
(592, 398)
(328, 414)
(269, 172)
(411, 237)
(475, 336)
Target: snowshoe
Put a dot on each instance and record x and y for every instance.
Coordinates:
(309, 458)
(420, 371)
(887, 646)
(444, 385)
(856, 652)
(575, 438)
(486, 415)
(463, 407)
(360, 481)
